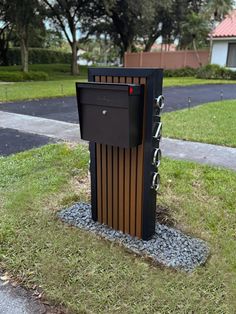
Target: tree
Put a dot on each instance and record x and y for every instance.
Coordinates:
(217, 9)
(65, 14)
(5, 32)
(123, 21)
(195, 30)
(21, 15)
(158, 24)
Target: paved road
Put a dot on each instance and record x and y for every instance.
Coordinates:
(65, 109)
(14, 141)
(16, 300)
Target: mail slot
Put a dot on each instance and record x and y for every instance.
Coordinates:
(111, 113)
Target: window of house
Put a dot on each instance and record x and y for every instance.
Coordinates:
(231, 60)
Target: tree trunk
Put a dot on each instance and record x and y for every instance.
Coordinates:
(196, 52)
(24, 55)
(148, 45)
(74, 65)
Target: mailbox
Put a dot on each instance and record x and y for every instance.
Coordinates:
(111, 114)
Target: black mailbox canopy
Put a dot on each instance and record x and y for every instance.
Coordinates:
(111, 113)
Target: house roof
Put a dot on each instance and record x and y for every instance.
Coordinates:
(227, 28)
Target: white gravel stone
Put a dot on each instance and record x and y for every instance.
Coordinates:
(168, 246)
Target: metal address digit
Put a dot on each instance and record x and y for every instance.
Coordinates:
(158, 131)
(156, 181)
(156, 160)
(160, 102)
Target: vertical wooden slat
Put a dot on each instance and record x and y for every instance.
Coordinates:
(104, 184)
(109, 186)
(127, 189)
(115, 204)
(129, 80)
(133, 190)
(121, 189)
(97, 78)
(109, 79)
(99, 174)
(115, 79)
(99, 182)
(122, 79)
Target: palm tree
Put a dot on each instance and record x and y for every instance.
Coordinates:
(194, 32)
(217, 9)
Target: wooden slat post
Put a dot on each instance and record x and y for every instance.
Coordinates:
(122, 196)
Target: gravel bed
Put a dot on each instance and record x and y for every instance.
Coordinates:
(168, 246)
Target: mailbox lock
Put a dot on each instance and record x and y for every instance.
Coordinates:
(155, 181)
(156, 160)
(104, 112)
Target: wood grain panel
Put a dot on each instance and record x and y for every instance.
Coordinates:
(121, 188)
(99, 182)
(104, 177)
(104, 184)
(133, 191)
(109, 79)
(115, 188)
(120, 179)
(99, 174)
(109, 186)
(127, 189)
(129, 80)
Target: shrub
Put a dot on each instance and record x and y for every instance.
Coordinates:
(214, 71)
(39, 56)
(35, 76)
(187, 71)
(18, 76)
(11, 76)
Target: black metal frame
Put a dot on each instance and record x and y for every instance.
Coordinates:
(154, 88)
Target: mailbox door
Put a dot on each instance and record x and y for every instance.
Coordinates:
(105, 124)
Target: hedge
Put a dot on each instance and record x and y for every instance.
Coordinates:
(183, 72)
(39, 56)
(210, 71)
(18, 76)
(214, 71)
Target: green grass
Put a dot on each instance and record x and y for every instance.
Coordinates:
(90, 275)
(61, 83)
(209, 123)
(188, 81)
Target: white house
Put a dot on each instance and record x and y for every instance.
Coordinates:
(224, 42)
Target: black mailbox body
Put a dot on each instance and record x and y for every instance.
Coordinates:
(111, 114)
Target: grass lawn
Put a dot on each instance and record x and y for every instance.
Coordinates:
(209, 123)
(187, 81)
(90, 275)
(62, 84)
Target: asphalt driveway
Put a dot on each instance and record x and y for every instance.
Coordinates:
(14, 141)
(65, 108)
